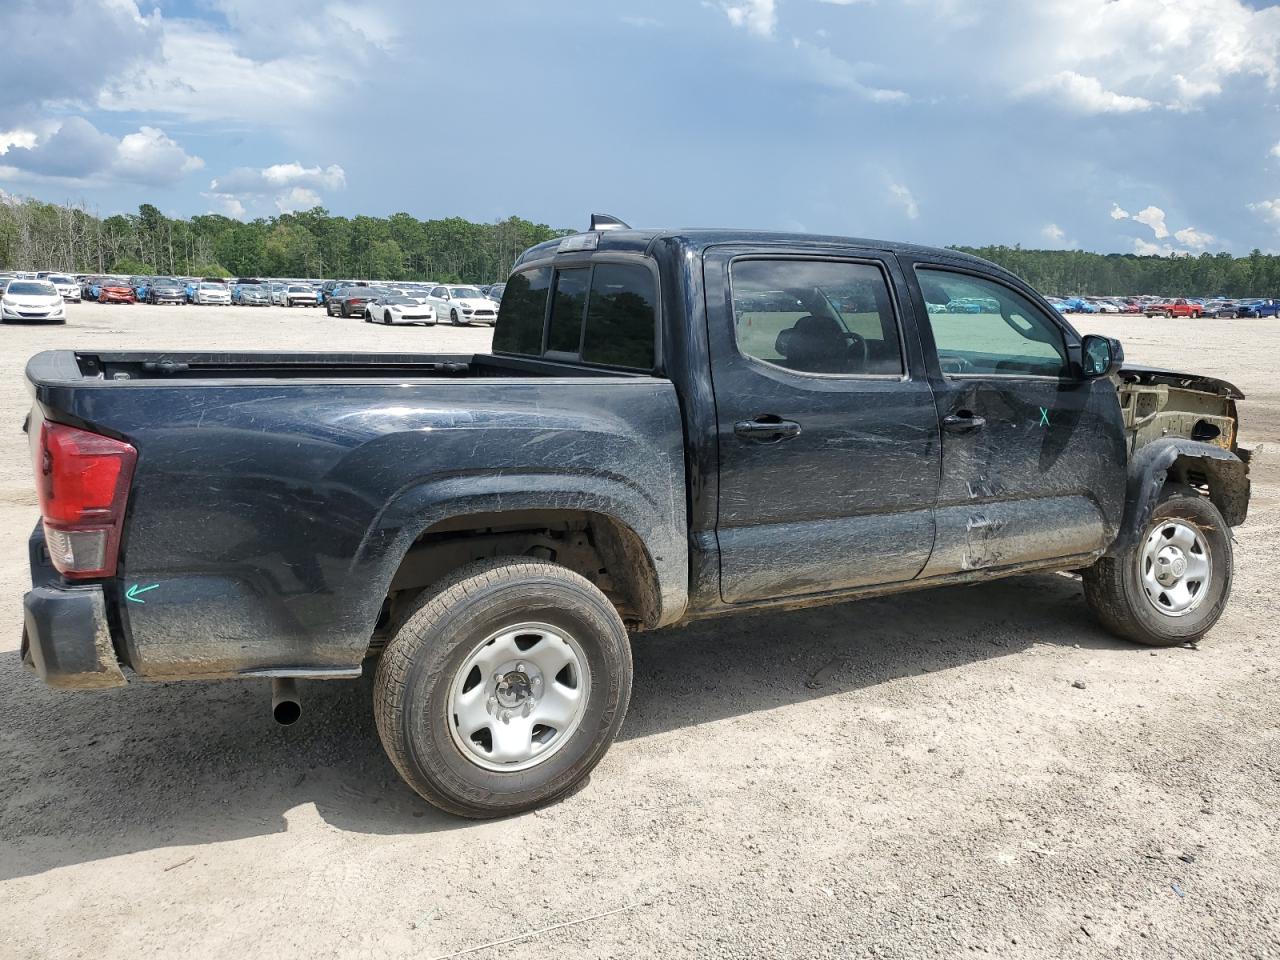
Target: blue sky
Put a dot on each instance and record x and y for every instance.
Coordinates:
(1146, 126)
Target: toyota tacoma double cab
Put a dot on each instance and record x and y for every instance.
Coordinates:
(670, 425)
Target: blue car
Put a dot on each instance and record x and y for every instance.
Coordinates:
(1258, 308)
(1079, 305)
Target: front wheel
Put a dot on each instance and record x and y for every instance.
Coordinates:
(453, 317)
(1171, 586)
(503, 687)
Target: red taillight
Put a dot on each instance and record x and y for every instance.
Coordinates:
(83, 482)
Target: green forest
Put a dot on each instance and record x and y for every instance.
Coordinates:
(314, 243)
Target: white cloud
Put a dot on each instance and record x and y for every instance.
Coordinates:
(1191, 237)
(1118, 212)
(290, 185)
(1053, 233)
(900, 195)
(756, 16)
(198, 72)
(78, 151)
(832, 71)
(297, 198)
(228, 206)
(1084, 94)
(1275, 151)
(1268, 209)
(16, 138)
(1145, 248)
(1153, 217)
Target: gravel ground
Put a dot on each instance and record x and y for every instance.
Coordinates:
(919, 776)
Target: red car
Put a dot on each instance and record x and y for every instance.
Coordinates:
(117, 291)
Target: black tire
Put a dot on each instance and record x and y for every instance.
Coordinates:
(386, 317)
(1113, 586)
(453, 318)
(411, 687)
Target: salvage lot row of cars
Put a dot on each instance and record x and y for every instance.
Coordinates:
(1195, 307)
(43, 294)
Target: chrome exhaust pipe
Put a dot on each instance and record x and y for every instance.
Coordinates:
(286, 706)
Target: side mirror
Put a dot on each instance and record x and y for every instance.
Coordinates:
(1100, 356)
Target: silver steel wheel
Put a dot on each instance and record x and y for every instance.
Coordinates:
(1175, 567)
(518, 697)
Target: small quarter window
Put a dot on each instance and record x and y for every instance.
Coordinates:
(621, 317)
(524, 306)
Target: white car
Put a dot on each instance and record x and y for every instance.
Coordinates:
(31, 301)
(392, 308)
(461, 305)
(299, 294)
(278, 293)
(212, 293)
(1105, 306)
(69, 287)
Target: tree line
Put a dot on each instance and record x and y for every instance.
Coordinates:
(314, 243)
(1065, 273)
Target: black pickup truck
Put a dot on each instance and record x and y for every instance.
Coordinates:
(671, 425)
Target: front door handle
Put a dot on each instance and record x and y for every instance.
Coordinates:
(963, 421)
(767, 428)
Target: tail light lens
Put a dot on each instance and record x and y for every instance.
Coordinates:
(83, 482)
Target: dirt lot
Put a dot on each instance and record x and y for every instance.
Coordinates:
(914, 776)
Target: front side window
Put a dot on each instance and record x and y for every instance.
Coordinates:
(816, 316)
(984, 328)
(524, 306)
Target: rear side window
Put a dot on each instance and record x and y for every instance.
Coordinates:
(816, 316)
(565, 334)
(524, 307)
(621, 317)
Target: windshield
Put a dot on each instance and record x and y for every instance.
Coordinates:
(30, 288)
(212, 286)
(405, 301)
(299, 289)
(59, 278)
(465, 292)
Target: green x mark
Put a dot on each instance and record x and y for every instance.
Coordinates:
(1044, 417)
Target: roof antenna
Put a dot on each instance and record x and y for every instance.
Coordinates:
(602, 221)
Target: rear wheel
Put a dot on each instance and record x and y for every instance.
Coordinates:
(503, 687)
(1171, 586)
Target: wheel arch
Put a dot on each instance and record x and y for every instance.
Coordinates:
(1220, 473)
(589, 524)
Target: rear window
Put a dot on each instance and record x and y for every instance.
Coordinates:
(605, 313)
(524, 307)
(565, 334)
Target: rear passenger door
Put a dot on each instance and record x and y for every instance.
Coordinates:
(828, 438)
(1033, 454)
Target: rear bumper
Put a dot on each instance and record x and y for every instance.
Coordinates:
(66, 638)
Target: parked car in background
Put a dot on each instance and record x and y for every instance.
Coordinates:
(390, 308)
(1102, 305)
(1221, 309)
(463, 304)
(1057, 303)
(141, 285)
(208, 293)
(1258, 308)
(299, 295)
(250, 293)
(67, 287)
(350, 301)
(31, 301)
(166, 290)
(117, 291)
(494, 292)
(1080, 305)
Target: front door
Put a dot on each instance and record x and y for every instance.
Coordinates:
(827, 434)
(1033, 454)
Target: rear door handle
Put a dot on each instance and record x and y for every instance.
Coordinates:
(767, 428)
(963, 421)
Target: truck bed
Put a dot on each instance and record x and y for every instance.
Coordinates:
(275, 495)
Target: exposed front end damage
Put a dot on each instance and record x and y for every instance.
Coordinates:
(1158, 404)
